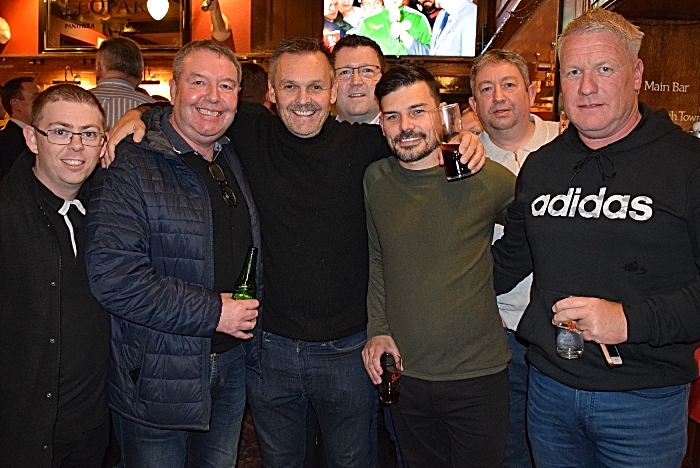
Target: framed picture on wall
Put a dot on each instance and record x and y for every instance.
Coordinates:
(81, 25)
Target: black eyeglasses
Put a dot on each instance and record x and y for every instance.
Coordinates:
(63, 137)
(226, 191)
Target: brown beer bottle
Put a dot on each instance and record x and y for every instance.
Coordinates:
(390, 389)
(245, 287)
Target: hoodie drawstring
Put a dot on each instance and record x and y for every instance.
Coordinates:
(606, 167)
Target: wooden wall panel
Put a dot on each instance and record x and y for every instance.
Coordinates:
(275, 20)
(671, 54)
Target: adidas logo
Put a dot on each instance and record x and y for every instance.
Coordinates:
(592, 206)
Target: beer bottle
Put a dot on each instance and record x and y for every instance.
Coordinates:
(245, 285)
(390, 389)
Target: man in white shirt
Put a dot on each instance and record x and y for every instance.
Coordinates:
(502, 96)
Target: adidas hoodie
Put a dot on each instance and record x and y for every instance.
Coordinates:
(620, 223)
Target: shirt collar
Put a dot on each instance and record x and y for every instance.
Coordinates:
(178, 143)
(20, 123)
(116, 82)
(498, 154)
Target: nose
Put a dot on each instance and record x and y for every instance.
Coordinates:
(76, 141)
(356, 78)
(303, 96)
(213, 92)
(498, 94)
(406, 123)
(587, 85)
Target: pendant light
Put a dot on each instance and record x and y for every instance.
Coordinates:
(158, 8)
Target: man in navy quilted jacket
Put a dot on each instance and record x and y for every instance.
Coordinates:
(169, 227)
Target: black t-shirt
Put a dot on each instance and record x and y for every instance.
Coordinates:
(308, 192)
(231, 225)
(84, 337)
(232, 234)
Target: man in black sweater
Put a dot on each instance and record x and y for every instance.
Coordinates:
(305, 171)
(614, 240)
(54, 334)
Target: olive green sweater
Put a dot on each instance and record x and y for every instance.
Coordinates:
(431, 284)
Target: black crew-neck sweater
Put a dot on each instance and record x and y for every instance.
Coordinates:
(309, 196)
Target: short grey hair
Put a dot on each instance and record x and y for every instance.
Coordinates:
(600, 20)
(299, 46)
(123, 55)
(498, 56)
(208, 44)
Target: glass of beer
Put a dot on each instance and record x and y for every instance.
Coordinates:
(447, 122)
(569, 340)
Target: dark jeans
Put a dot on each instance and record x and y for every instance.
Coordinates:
(457, 423)
(572, 428)
(332, 377)
(84, 450)
(149, 447)
(518, 452)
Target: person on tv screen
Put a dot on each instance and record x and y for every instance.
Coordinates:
(430, 10)
(398, 29)
(454, 31)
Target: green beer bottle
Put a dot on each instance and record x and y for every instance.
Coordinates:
(245, 285)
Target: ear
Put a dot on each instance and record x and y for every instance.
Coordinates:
(14, 105)
(173, 90)
(271, 92)
(104, 146)
(638, 72)
(334, 92)
(472, 104)
(30, 137)
(98, 71)
(532, 93)
(381, 123)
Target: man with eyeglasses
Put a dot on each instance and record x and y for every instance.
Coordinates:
(358, 63)
(54, 334)
(169, 226)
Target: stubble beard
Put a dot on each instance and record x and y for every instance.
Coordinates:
(413, 155)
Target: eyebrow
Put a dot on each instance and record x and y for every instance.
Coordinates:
(352, 65)
(414, 106)
(199, 75)
(314, 82)
(71, 126)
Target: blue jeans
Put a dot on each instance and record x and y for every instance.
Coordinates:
(517, 448)
(332, 377)
(634, 429)
(148, 447)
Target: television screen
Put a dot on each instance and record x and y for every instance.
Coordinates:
(405, 27)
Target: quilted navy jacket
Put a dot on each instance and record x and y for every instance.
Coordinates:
(150, 263)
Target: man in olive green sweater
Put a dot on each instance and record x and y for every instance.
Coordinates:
(431, 300)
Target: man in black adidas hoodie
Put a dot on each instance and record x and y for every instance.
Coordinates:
(611, 214)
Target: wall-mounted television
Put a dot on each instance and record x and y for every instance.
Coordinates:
(405, 27)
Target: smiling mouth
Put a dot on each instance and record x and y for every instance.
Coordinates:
(302, 113)
(356, 95)
(409, 141)
(208, 112)
(73, 162)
